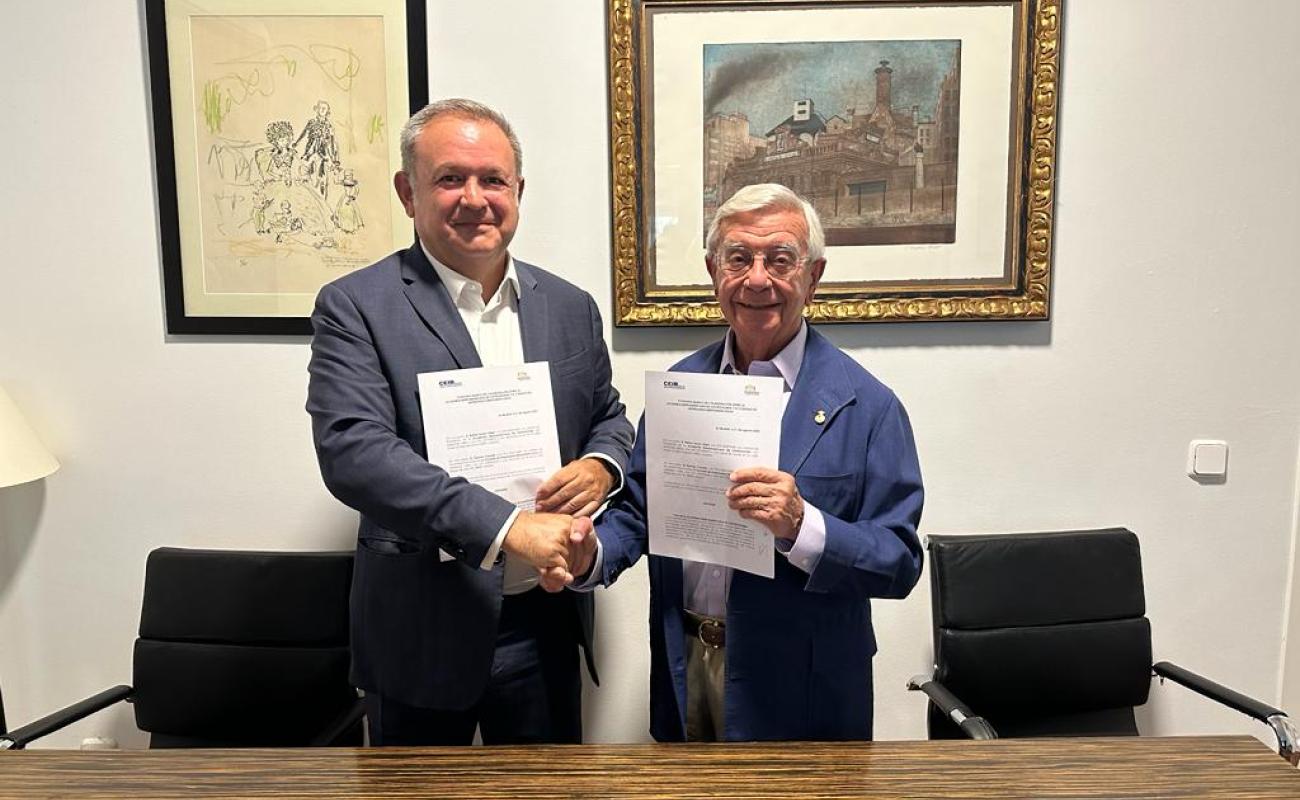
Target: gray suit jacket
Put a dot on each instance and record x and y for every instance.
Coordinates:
(423, 630)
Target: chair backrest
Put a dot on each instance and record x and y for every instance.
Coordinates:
(1041, 633)
(242, 649)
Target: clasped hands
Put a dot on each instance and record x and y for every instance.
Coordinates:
(558, 538)
(562, 546)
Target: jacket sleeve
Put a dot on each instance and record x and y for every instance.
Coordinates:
(611, 433)
(622, 528)
(878, 554)
(363, 461)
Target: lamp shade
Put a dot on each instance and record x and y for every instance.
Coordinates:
(22, 456)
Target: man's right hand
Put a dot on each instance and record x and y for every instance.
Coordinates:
(582, 546)
(582, 555)
(543, 541)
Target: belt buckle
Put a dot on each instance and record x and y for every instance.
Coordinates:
(711, 633)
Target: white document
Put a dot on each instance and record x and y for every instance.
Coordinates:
(698, 429)
(494, 426)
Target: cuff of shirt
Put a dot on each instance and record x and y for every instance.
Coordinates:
(593, 577)
(490, 559)
(809, 542)
(614, 469)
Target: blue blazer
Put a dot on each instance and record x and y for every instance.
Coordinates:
(423, 629)
(799, 646)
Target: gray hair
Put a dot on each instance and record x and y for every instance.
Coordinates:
(767, 197)
(464, 109)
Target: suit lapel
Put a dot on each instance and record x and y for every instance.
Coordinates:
(429, 296)
(533, 315)
(818, 394)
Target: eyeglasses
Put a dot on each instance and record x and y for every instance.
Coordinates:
(780, 261)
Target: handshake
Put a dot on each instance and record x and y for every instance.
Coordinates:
(560, 546)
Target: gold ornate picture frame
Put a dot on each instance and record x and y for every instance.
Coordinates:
(923, 131)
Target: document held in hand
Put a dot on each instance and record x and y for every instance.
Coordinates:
(698, 429)
(494, 426)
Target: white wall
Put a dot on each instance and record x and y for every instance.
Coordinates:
(1174, 288)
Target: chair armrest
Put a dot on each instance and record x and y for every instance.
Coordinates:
(341, 725)
(1275, 718)
(973, 726)
(19, 738)
(1217, 692)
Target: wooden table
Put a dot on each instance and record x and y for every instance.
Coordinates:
(1202, 767)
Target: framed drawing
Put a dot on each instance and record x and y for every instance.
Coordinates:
(276, 129)
(923, 131)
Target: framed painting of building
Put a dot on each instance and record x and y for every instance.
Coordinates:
(922, 131)
(276, 127)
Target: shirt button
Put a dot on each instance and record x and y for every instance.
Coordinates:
(717, 573)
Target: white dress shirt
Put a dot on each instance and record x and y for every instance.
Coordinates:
(494, 329)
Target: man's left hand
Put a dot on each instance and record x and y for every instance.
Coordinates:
(769, 496)
(578, 488)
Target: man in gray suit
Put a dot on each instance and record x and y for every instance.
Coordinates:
(449, 629)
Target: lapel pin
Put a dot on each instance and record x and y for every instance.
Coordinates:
(820, 417)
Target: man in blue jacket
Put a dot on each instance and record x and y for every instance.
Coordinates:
(735, 656)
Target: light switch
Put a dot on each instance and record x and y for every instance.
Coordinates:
(1207, 458)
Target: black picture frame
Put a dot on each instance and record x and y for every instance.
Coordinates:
(179, 318)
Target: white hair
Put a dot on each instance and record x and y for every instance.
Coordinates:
(456, 107)
(767, 197)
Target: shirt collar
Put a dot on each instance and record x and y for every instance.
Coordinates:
(457, 284)
(787, 362)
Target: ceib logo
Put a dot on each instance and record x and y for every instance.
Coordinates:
(751, 389)
(673, 385)
(522, 375)
(448, 383)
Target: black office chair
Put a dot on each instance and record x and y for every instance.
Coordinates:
(1045, 634)
(236, 649)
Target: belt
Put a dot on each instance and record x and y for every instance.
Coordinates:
(711, 631)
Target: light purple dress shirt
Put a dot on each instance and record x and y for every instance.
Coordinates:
(706, 585)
